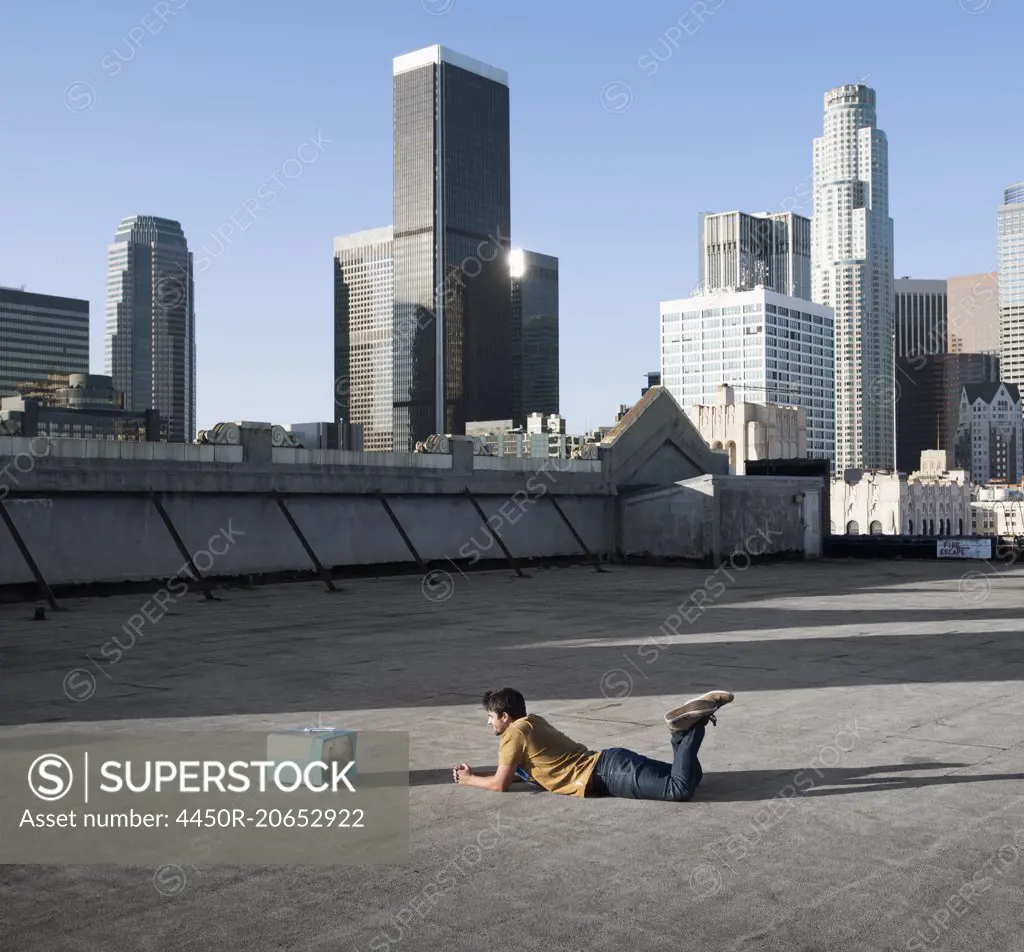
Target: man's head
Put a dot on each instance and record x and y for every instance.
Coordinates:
(503, 707)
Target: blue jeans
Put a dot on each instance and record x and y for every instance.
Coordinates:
(625, 773)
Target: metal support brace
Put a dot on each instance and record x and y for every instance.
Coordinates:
(405, 538)
(27, 556)
(583, 545)
(494, 532)
(203, 584)
(324, 574)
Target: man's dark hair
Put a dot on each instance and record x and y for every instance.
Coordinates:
(506, 701)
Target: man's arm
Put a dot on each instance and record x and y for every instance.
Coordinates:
(499, 782)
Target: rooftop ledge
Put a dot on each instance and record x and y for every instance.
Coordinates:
(27, 450)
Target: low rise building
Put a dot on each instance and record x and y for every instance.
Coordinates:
(327, 436)
(543, 436)
(874, 502)
(998, 511)
(79, 406)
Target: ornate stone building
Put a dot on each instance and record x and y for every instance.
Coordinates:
(750, 431)
(885, 503)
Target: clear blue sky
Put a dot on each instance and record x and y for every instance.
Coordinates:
(207, 109)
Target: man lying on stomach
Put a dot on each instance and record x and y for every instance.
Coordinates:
(533, 749)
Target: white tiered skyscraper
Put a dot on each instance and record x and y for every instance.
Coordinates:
(1011, 286)
(852, 272)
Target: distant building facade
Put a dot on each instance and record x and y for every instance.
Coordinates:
(452, 223)
(750, 431)
(151, 331)
(42, 338)
(882, 503)
(328, 436)
(921, 317)
(928, 393)
(771, 348)
(86, 406)
(973, 314)
(988, 439)
(534, 333)
(364, 300)
(1011, 284)
(740, 252)
(998, 511)
(543, 436)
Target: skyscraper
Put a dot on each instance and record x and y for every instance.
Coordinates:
(151, 332)
(364, 298)
(920, 314)
(739, 252)
(42, 338)
(852, 272)
(1011, 285)
(534, 333)
(453, 309)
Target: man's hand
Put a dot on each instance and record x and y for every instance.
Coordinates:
(498, 782)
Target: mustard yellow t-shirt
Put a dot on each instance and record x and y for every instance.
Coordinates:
(557, 763)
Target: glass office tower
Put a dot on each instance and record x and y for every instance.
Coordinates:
(1011, 285)
(42, 338)
(535, 333)
(771, 348)
(364, 300)
(920, 308)
(151, 326)
(453, 335)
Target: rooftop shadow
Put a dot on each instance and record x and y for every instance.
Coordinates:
(343, 653)
(738, 785)
(754, 785)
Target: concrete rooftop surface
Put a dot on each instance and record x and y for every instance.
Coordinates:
(892, 688)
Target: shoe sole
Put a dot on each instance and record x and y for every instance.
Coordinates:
(712, 701)
(681, 719)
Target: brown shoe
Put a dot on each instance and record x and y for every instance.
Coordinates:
(691, 714)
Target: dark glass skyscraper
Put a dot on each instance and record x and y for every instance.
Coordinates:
(453, 332)
(534, 333)
(928, 400)
(921, 323)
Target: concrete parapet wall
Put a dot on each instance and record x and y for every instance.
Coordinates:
(127, 450)
(83, 510)
(87, 510)
(284, 455)
(77, 539)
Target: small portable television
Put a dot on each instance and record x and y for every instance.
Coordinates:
(307, 745)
